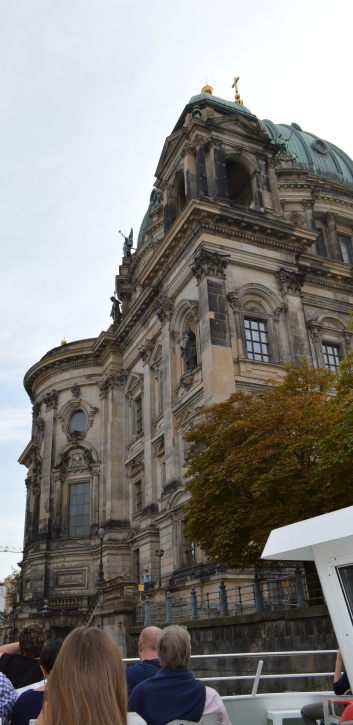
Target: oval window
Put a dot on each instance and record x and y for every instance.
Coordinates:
(78, 421)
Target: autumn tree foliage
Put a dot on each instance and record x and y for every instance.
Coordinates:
(258, 462)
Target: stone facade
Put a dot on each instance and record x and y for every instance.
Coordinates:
(238, 233)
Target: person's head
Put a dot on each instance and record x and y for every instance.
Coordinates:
(173, 647)
(48, 656)
(88, 683)
(31, 641)
(147, 643)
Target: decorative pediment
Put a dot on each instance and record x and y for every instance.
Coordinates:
(135, 466)
(76, 457)
(158, 447)
(170, 145)
(133, 383)
(188, 417)
(156, 354)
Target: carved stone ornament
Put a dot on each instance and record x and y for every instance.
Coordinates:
(135, 466)
(63, 462)
(233, 299)
(308, 203)
(158, 447)
(51, 400)
(186, 380)
(290, 282)
(209, 264)
(164, 308)
(75, 436)
(75, 390)
(145, 351)
(113, 380)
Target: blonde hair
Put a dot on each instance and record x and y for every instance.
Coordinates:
(173, 647)
(88, 682)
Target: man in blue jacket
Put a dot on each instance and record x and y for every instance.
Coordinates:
(150, 664)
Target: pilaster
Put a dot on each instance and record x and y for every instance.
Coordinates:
(290, 284)
(216, 353)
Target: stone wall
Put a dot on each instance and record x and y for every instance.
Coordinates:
(296, 629)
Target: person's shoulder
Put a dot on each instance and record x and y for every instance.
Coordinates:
(134, 719)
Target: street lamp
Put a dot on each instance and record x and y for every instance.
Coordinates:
(159, 553)
(100, 570)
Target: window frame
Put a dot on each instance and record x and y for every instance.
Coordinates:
(75, 412)
(138, 496)
(138, 408)
(258, 318)
(334, 345)
(71, 484)
(345, 239)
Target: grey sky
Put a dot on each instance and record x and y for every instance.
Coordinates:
(89, 91)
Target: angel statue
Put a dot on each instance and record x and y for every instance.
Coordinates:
(281, 141)
(189, 351)
(128, 244)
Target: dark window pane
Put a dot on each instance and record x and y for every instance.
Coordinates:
(256, 340)
(78, 421)
(79, 509)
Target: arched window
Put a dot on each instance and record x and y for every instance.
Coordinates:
(239, 184)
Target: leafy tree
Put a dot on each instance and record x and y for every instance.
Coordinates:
(258, 462)
(13, 584)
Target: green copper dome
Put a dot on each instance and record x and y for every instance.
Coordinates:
(319, 157)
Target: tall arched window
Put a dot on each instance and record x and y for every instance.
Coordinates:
(181, 199)
(239, 184)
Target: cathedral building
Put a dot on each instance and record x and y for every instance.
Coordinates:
(243, 262)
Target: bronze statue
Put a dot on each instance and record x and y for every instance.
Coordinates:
(116, 313)
(189, 351)
(281, 141)
(128, 244)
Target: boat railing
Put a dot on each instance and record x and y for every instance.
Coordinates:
(257, 675)
(278, 592)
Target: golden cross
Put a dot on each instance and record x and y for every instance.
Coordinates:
(235, 84)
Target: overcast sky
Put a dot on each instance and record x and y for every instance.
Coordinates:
(89, 91)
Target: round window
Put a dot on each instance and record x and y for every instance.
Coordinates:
(78, 421)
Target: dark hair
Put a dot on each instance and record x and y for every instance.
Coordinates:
(31, 641)
(49, 654)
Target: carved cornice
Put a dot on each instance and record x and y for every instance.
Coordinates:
(164, 308)
(209, 264)
(113, 380)
(308, 203)
(145, 351)
(290, 282)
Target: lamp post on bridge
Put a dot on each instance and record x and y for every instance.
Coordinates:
(160, 553)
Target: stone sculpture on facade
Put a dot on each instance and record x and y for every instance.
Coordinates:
(189, 351)
(116, 313)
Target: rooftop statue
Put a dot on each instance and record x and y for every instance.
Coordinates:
(281, 141)
(128, 244)
(116, 313)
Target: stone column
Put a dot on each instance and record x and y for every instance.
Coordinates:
(201, 175)
(35, 511)
(271, 163)
(233, 299)
(164, 310)
(330, 220)
(290, 284)
(218, 165)
(57, 506)
(308, 205)
(114, 468)
(216, 353)
(148, 415)
(188, 154)
(51, 402)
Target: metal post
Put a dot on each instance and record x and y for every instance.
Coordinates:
(257, 593)
(223, 604)
(208, 604)
(257, 678)
(193, 602)
(301, 602)
(168, 608)
(240, 604)
(147, 621)
(160, 553)
(100, 569)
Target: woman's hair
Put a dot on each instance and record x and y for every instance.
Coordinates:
(31, 641)
(173, 647)
(49, 654)
(88, 683)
